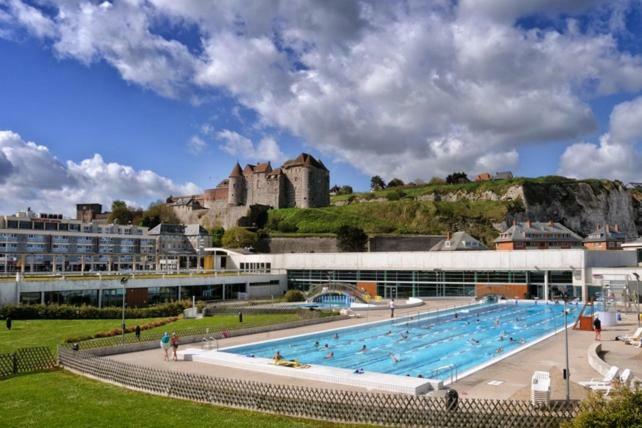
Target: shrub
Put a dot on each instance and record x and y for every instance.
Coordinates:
(26, 312)
(622, 409)
(395, 195)
(117, 331)
(351, 239)
(294, 296)
(238, 237)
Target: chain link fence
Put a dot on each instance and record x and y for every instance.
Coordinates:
(317, 403)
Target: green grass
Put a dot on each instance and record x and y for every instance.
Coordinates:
(50, 333)
(398, 217)
(60, 399)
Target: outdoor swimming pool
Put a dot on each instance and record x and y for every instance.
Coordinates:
(424, 345)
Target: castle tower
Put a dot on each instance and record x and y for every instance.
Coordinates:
(236, 188)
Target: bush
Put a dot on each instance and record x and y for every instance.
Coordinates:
(351, 239)
(238, 237)
(395, 195)
(117, 331)
(622, 409)
(30, 312)
(294, 296)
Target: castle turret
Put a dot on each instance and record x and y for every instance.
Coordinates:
(236, 187)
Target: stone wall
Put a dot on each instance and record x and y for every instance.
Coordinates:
(328, 244)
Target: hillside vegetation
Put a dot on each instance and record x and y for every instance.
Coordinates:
(474, 207)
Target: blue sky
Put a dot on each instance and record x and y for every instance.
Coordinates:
(141, 99)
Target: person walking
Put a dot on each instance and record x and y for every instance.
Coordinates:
(137, 332)
(392, 308)
(597, 326)
(9, 323)
(174, 342)
(164, 343)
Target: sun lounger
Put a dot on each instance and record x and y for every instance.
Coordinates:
(624, 379)
(606, 380)
(635, 338)
(540, 388)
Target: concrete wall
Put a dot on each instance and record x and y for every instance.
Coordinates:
(382, 243)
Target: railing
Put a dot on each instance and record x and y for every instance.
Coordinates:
(84, 276)
(332, 405)
(450, 368)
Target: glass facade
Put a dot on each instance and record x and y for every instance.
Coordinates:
(435, 283)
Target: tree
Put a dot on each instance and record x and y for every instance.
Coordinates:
(238, 237)
(419, 182)
(345, 190)
(377, 183)
(335, 189)
(437, 180)
(216, 234)
(457, 178)
(157, 214)
(395, 182)
(121, 213)
(351, 239)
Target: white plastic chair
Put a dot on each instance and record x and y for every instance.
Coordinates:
(540, 388)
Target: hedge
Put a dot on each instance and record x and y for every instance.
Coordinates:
(117, 331)
(28, 312)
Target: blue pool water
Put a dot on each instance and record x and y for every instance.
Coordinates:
(424, 344)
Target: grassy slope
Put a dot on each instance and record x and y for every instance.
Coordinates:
(412, 216)
(60, 399)
(49, 333)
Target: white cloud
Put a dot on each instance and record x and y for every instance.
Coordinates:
(31, 176)
(196, 145)
(401, 89)
(616, 155)
(236, 144)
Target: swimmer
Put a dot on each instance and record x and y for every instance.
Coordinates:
(329, 356)
(336, 336)
(499, 350)
(420, 376)
(510, 339)
(358, 371)
(473, 341)
(501, 337)
(277, 356)
(364, 349)
(403, 336)
(394, 358)
(497, 322)
(456, 315)
(389, 332)
(316, 344)
(326, 346)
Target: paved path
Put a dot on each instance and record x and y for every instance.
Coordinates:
(514, 373)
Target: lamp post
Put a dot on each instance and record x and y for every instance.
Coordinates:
(123, 281)
(567, 374)
(637, 294)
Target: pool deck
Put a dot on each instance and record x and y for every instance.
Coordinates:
(512, 375)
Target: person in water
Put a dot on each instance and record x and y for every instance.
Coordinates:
(277, 356)
(499, 350)
(329, 356)
(326, 346)
(389, 332)
(364, 348)
(336, 336)
(316, 344)
(394, 358)
(473, 341)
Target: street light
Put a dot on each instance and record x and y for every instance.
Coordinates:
(123, 281)
(567, 374)
(637, 294)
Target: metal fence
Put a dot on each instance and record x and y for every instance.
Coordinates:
(317, 403)
(26, 360)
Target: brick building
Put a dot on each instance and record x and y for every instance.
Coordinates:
(605, 238)
(530, 235)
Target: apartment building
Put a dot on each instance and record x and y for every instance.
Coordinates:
(531, 235)
(31, 243)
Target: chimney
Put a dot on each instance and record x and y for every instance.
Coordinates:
(449, 235)
(607, 228)
(616, 227)
(530, 223)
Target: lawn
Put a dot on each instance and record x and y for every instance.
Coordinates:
(61, 399)
(26, 333)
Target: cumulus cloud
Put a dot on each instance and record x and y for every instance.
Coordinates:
(235, 144)
(30, 175)
(196, 145)
(616, 154)
(401, 89)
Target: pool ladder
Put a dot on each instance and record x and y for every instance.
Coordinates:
(450, 368)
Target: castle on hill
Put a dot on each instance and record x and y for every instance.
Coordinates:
(303, 182)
